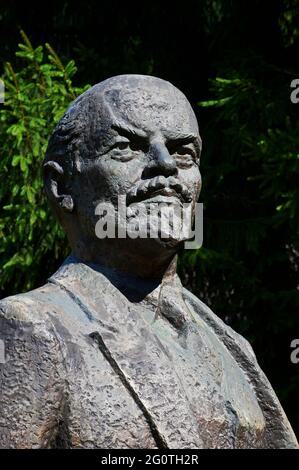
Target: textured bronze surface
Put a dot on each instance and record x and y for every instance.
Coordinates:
(113, 352)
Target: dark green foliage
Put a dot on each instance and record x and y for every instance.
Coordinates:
(36, 96)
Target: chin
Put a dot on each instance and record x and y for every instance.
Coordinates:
(166, 240)
(156, 235)
(169, 243)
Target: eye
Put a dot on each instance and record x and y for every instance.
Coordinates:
(122, 150)
(185, 151)
(121, 145)
(185, 156)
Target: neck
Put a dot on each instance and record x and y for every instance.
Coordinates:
(132, 258)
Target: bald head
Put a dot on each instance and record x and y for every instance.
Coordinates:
(147, 103)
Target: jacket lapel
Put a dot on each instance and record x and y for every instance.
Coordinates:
(135, 353)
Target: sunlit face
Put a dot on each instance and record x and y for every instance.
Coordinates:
(146, 146)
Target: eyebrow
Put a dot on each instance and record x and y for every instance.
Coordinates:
(125, 130)
(174, 139)
(184, 139)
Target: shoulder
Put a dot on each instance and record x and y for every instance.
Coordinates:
(32, 372)
(28, 312)
(230, 337)
(34, 348)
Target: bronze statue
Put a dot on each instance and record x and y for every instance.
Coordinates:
(113, 352)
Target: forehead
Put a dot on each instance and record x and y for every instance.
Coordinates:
(150, 108)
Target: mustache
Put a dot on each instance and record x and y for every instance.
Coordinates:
(159, 185)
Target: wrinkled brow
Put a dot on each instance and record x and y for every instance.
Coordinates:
(184, 139)
(127, 131)
(172, 139)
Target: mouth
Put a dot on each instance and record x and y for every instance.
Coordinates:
(161, 193)
(166, 195)
(159, 198)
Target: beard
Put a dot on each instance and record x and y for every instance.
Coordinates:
(159, 219)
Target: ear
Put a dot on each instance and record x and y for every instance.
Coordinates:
(55, 186)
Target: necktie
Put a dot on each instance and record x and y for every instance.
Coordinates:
(172, 306)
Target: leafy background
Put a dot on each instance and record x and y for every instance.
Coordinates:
(235, 61)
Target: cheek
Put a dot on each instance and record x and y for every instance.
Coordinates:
(192, 179)
(198, 183)
(106, 180)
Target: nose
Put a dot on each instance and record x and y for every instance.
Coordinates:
(162, 163)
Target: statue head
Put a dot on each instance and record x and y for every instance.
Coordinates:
(130, 135)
